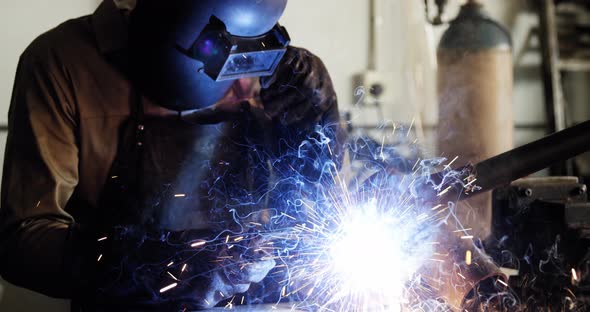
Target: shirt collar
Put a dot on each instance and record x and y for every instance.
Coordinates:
(110, 27)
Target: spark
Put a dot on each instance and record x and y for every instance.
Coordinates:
(173, 277)
(198, 244)
(382, 146)
(416, 164)
(422, 216)
(99, 258)
(341, 245)
(167, 288)
(288, 216)
(574, 274)
(470, 182)
(451, 163)
(102, 239)
(437, 206)
(410, 128)
(444, 191)
(360, 253)
(502, 282)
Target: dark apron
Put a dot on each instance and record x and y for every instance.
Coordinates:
(171, 183)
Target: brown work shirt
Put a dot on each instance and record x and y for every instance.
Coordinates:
(69, 102)
(67, 106)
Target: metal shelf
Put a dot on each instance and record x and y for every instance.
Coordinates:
(574, 65)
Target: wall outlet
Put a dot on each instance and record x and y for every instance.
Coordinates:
(372, 88)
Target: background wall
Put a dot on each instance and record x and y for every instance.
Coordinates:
(406, 51)
(337, 31)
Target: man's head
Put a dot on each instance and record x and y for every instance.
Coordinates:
(178, 49)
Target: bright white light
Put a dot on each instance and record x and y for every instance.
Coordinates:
(362, 252)
(368, 257)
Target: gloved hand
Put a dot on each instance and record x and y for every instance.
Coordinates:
(175, 270)
(239, 100)
(301, 103)
(300, 91)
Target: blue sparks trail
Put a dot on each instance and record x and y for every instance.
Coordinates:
(350, 245)
(341, 242)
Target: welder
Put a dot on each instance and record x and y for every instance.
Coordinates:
(142, 128)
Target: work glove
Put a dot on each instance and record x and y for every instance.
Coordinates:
(173, 271)
(300, 94)
(300, 90)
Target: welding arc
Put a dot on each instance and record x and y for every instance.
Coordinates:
(525, 160)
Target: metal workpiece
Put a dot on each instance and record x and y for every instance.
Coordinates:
(468, 276)
(512, 165)
(532, 157)
(542, 208)
(566, 197)
(545, 238)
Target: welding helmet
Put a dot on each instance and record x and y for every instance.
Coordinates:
(185, 54)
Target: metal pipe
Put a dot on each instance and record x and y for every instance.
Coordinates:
(522, 161)
(530, 158)
(493, 172)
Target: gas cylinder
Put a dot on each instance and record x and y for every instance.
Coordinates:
(475, 77)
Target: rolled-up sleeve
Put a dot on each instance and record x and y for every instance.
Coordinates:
(39, 177)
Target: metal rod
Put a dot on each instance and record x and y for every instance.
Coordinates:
(515, 164)
(530, 158)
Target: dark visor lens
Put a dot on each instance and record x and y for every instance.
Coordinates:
(251, 64)
(226, 57)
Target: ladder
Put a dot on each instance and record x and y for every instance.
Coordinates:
(563, 50)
